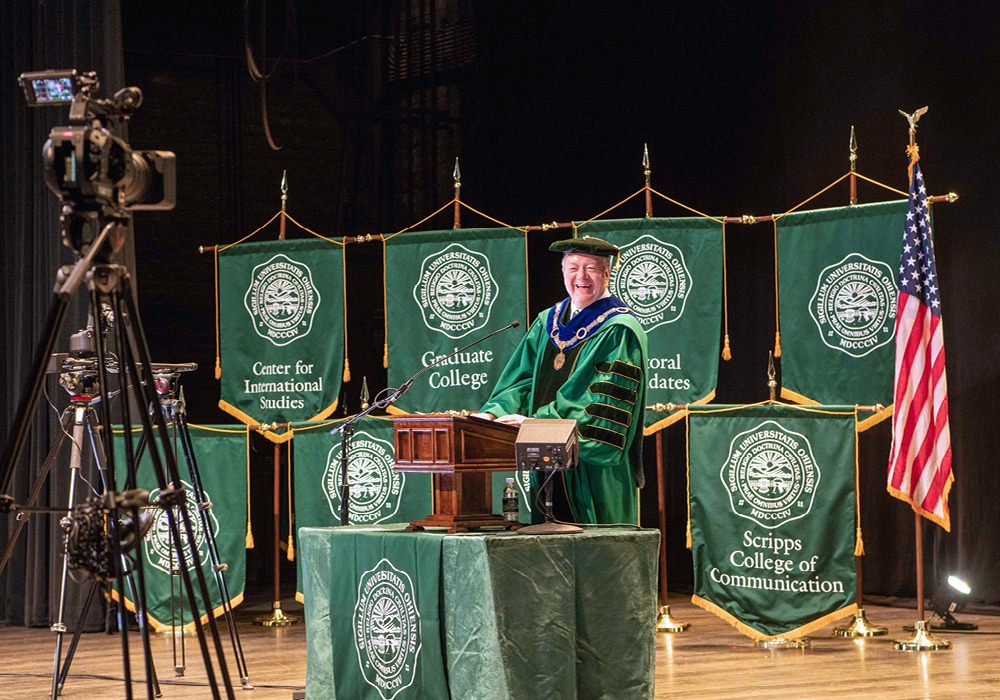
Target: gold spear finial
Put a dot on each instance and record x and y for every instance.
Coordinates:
(645, 162)
(772, 383)
(284, 186)
(457, 176)
(364, 394)
(854, 150)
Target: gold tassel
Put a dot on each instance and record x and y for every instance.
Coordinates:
(777, 343)
(726, 354)
(687, 535)
(249, 536)
(385, 356)
(859, 544)
(347, 370)
(291, 548)
(218, 367)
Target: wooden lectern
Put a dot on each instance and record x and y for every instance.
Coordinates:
(460, 453)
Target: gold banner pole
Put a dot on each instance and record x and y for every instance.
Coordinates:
(664, 621)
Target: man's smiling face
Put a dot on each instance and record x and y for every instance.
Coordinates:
(586, 277)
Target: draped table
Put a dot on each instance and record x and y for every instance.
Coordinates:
(396, 614)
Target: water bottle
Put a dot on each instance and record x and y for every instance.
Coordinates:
(509, 500)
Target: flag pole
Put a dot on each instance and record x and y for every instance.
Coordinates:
(456, 175)
(853, 157)
(664, 621)
(921, 639)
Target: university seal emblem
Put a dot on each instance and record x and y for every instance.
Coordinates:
(386, 626)
(159, 548)
(770, 475)
(375, 486)
(854, 305)
(282, 300)
(455, 291)
(653, 280)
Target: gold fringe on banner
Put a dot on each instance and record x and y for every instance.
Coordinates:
(805, 629)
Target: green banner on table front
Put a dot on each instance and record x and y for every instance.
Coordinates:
(281, 330)
(445, 289)
(386, 622)
(670, 275)
(837, 304)
(772, 491)
(378, 493)
(220, 453)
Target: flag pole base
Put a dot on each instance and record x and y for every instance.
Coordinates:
(922, 640)
(784, 643)
(277, 618)
(860, 627)
(666, 623)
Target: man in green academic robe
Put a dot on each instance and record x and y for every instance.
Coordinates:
(584, 359)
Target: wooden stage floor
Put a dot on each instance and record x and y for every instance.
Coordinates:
(710, 660)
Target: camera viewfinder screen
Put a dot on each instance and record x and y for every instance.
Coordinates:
(50, 90)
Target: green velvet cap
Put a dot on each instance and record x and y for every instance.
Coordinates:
(587, 245)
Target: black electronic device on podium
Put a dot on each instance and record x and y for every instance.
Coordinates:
(549, 446)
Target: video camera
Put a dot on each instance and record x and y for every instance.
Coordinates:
(87, 166)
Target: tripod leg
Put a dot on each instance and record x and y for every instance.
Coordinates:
(136, 348)
(71, 651)
(213, 549)
(36, 489)
(59, 626)
(29, 397)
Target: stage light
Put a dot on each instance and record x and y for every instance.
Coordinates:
(949, 598)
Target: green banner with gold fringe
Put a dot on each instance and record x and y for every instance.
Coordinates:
(220, 453)
(670, 275)
(772, 515)
(281, 330)
(837, 304)
(378, 493)
(445, 289)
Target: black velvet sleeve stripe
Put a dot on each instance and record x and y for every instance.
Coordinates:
(623, 369)
(614, 391)
(610, 413)
(609, 437)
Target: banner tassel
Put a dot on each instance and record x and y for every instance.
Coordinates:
(347, 370)
(385, 356)
(726, 353)
(777, 343)
(218, 368)
(859, 544)
(687, 535)
(249, 540)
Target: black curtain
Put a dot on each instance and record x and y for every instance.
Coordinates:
(36, 35)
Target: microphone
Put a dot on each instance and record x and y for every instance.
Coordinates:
(409, 382)
(379, 404)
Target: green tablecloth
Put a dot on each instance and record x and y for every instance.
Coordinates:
(391, 614)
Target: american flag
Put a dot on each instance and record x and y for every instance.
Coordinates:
(920, 461)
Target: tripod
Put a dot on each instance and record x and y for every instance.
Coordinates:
(175, 409)
(109, 284)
